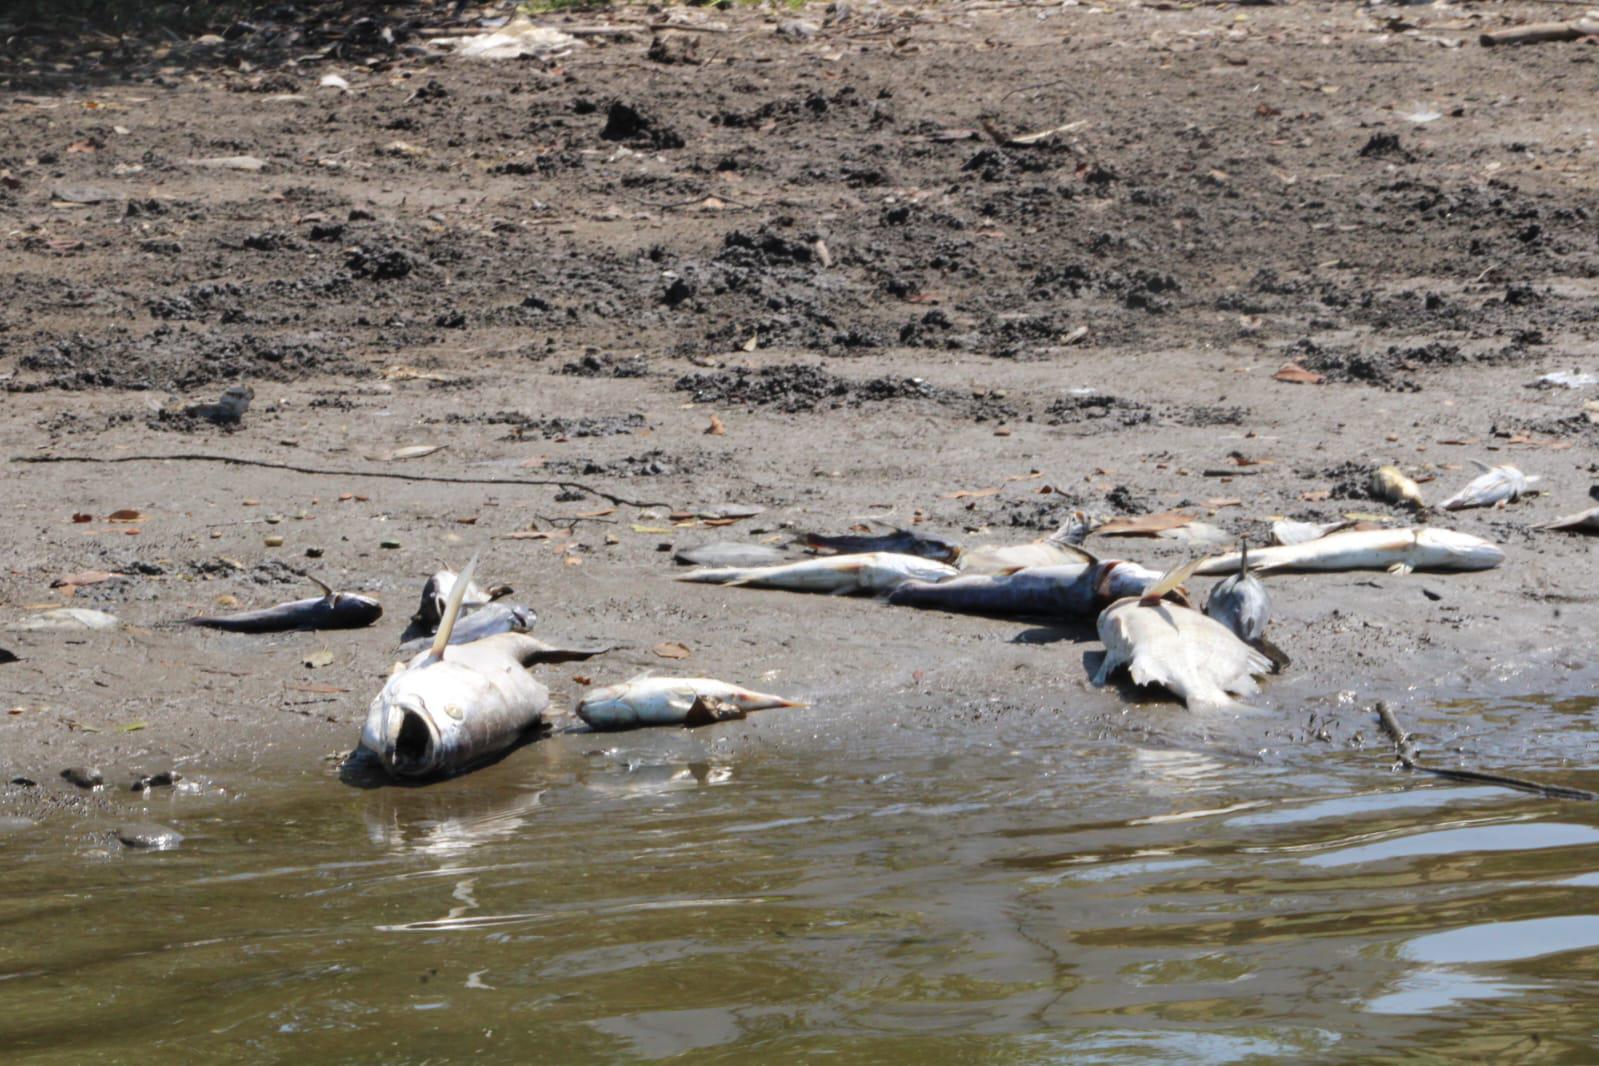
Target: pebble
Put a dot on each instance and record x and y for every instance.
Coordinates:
(164, 779)
(149, 835)
(388, 543)
(313, 553)
(274, 541)
(84, 776)
(25, 782)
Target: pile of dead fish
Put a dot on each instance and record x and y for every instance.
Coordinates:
(1206, 656)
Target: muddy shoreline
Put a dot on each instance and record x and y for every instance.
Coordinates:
(893, 317)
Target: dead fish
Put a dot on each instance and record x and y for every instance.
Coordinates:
(688, 701)
(1291, 532)
(900, 542)
(1389, 483)
(8, 656)
(1581, 522)
(1240, 603)
(66, 618)
(331, 610)
(229, 410)
(1495, 485)
(836, 574)
(1057, 549)
(731, 553)
(1398, 551)
(486, 621)
(456, 705)
(1066, 591)
(437, 591)
(1178, 648)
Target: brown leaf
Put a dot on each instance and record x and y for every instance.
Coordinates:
(716, 428)
(671, 649)
(466, 520)
(968, 494)
(1223, 501)
(601, 513)
(1315, 495)
(527, 534)
(1295, 374)
(582, 679)
(85, 577)
(1145, 525)
(80, 517)
(127, 514)
(317, 690)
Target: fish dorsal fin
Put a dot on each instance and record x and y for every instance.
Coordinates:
(1170, 580)
(643, 675)
(452, 611)
(1480, 465)
(1243, 556)
(327, 590)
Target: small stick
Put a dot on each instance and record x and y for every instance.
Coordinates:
(1406, 751)
(1539, 32)
(194, 457)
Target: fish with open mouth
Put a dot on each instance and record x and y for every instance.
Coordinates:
(1058, 549)
(685, 701)
(1399, 551)
(486, 621)
(835, 574)
(1240, 602)
(1178, 648)
(436, 591)
(1068, 590)
(899, 541)
(456, 705)
(331, 610)
(1495, 485)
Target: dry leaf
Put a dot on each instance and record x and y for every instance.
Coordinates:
(968, 494)
(80, 517)
(466, 520)
(671, 649)
(316, 690)
(127, 514)
(1315, 495)
(716, 428)
(651, 529)
(601, 513)
(526, 534)
(85, 577)
(1295, 374)
(582, 679)
(414, 451)
(1223, 501)
(1145, 525)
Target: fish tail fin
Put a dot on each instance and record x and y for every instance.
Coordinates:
(452, 610)
(712, 576)
(1170, 581)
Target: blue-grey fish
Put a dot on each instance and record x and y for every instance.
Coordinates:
(899, 541)
(1240, 603)
(1067, 590)
(730, 553)
(331, 610)
(486, 621)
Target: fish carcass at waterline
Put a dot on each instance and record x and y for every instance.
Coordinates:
(685, 701)
(331, 610)
(1398, 551)
(1177, 648)
(1069, 590)
(1495, 485)
(456, 705)
(1240, 602)
(836, 574)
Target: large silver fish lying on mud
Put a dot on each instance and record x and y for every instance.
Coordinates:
(687, 701)
(1057, 549)
(1176, 647)
(1066, 591)
(837, 574)
(899, 541)
(1398, 551)
(1495, 485)
(456, 705)
(331, 610)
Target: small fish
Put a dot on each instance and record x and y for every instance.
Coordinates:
(1288, 531)
(437, 591)
(1398, 551)
(1178, 648)
(1057, 549)
(1390, 484)
(454, 706)
(331, 610)
(1070, 590)
(229, 410)
(689, 701)
(836, 574)
(1495, 485)
(486, 621)
(731, 553)
(1240, 603)
(1581, 522)
(900, 541)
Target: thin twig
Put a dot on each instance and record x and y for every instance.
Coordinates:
(1406, 750)
(231, 460)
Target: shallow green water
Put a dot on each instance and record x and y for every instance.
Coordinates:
(1010, 891)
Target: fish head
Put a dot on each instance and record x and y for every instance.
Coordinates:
(1118, 579)
(413, 723)
(938, 549)
(1453, 548)
(362, 609)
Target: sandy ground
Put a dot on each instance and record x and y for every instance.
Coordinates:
(562, 270)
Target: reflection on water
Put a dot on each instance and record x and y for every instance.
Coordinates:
(1025, 895)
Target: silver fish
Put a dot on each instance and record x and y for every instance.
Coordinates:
(486, 621)
(1240, 603)
(454, 706)
(65, 618)
(646, 701)
(837, 574)
(731, 553)
(1288, 531)
(1057, 549)
(437, 590)
(1581, 522)
(331, 610)
(1178, 648)
(1396, 550)
(899, 541)
(1495, 485)
(1065, 591)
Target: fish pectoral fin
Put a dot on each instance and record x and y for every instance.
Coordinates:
(1107, 666)
(707, 710)
(1401, 569)
(1279, 658)
(534, 652)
